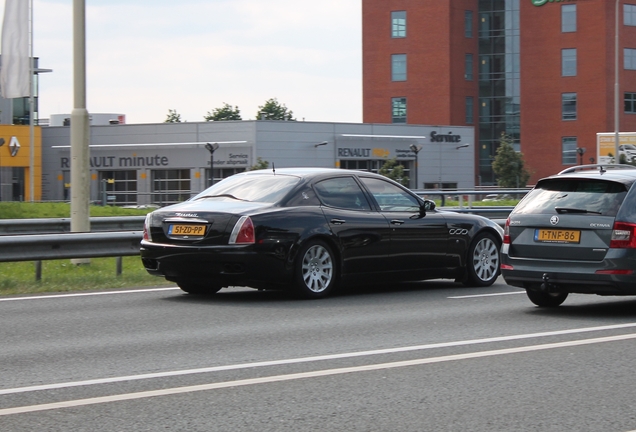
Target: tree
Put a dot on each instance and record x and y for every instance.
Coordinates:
(260, 164)
(226, 112)
(509, 166)
(273, 110)
(395, 171)
(172, 117)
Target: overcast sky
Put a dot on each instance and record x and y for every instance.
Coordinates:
(145, 57)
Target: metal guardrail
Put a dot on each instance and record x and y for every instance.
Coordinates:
(117, 236)
(36, 247)
(63, 225)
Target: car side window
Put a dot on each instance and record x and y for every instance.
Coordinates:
(391, 198)
(342, 192)
(305, 197)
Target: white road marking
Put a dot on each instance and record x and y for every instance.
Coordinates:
(43, 297)
(309, 359)
(304, 375)
(486, 295)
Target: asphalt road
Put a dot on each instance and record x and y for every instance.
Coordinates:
(421, 357)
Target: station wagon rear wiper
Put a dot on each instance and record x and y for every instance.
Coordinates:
(562, 210)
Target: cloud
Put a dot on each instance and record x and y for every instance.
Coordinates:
(146, 57)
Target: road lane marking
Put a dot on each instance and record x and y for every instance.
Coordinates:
(486, 295)
(86, 294)
(309, 359)
(304, 375)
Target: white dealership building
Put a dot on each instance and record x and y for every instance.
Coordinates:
(139, 164)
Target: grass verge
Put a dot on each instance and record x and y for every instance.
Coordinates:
(64, 276)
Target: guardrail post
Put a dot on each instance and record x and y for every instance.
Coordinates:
(38, 271)
(119, 265)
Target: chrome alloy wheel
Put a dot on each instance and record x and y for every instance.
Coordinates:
(317, 268)
(486, 259)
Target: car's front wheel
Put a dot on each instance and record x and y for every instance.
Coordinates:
(546, 299)
(198, 288)
(315, 272)
(483, 261)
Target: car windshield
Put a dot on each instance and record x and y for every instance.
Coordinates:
(574, 196)
(256, 188)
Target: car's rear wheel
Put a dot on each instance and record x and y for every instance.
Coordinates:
(483, 261)
(198, 288)
(546, 299)
(315, 273)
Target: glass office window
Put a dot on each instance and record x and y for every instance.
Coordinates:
(630, 103)
(470, 115)
(568, 106)
(629, 56)
(568, 62)
(568, 18)
(568, 150)
(629, 14)
(468, 24)
(398, 67)
(398, 24)
(398, 110)
(468, 67)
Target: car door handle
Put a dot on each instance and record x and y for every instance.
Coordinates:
(397, 222)
(337, 221)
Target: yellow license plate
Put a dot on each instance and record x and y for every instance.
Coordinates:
(186, 230)
(557, 236)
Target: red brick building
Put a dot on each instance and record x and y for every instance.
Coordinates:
(541, 71)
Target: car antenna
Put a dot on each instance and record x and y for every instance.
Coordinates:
(273, 168)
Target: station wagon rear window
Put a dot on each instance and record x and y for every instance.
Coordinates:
(574, 196)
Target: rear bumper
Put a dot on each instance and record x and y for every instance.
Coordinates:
(243, 265)
(570, 276)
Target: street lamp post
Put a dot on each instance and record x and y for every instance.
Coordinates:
(416, 149)
(581, 152)
(616, 87)
(211, 147)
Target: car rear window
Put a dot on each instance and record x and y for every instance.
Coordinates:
(253, 188)
(580, 196)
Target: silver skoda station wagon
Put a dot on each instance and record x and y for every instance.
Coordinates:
(575, 232)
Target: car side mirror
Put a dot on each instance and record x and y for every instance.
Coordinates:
(427, 205)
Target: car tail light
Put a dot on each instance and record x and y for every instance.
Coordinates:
(147, 234)
(243, 232)
(623, 236)
(615, 272)
(506, 238)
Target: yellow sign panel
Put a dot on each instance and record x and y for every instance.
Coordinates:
(16, 152)
(605, 147)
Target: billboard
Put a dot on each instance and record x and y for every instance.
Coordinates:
(605, 148)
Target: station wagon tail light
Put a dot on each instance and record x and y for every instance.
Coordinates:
(506, 238)
(147, 236)
(623, 236)
(243, 232)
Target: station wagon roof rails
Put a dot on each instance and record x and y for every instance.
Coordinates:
(600, 167)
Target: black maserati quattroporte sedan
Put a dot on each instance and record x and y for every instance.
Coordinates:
(312, 230)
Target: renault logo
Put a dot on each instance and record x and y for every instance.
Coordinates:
(554, 220)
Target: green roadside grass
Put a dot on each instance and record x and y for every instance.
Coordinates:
(64, 276)
(18, 278)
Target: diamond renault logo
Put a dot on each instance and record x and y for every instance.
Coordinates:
(14, 146)
(554, 220)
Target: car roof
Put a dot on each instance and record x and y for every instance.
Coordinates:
(307, 171)
(625, 174)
